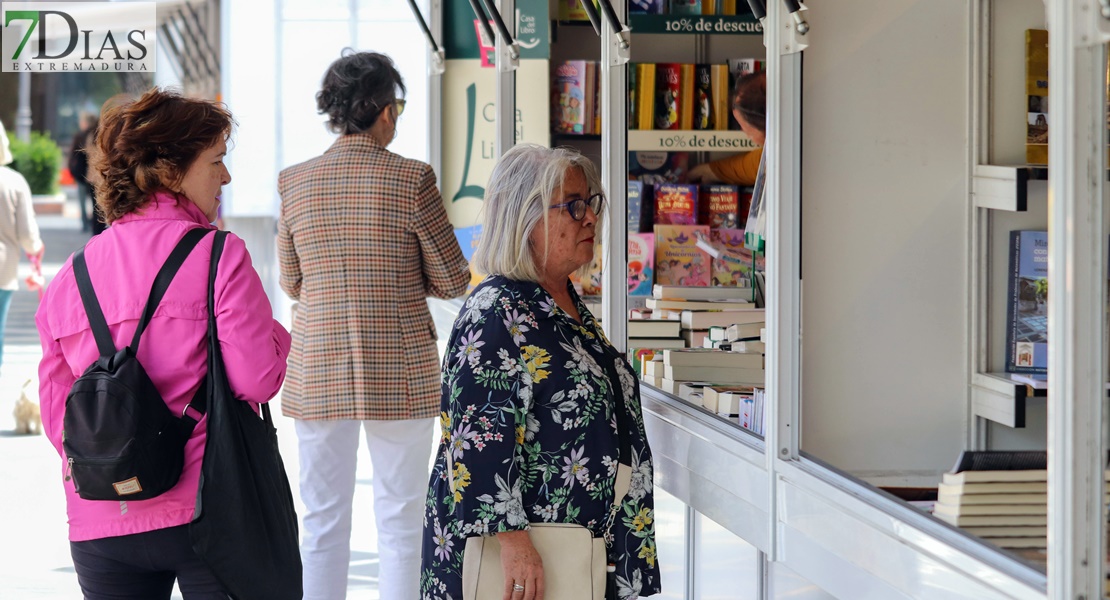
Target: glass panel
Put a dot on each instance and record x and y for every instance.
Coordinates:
(316, 10)
(303, 131)
(670, 540)
(786, 584)
(404, 42)
(725, 566)
(688, 211)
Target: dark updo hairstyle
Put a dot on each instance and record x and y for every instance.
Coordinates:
(749, 98)
(147, 145)
(356, 89)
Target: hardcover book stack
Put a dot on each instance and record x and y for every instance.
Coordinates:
(1000, 496)
(707, 367)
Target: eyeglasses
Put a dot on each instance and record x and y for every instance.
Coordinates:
(577, 206)
(399, 104)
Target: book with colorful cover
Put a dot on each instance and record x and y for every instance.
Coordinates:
(591, 284)
(668, 95)
(658, 167)
(719, 92)
(572, 10)
(635, 206)
(685, 7)
(676, 204)
(1036, 96)
(568, 98)
(703, 97)
(718, 206)
(729, 273)
(593, 99)
(468, 240)
(645, 96)
(641, 263)
(1027, 310)
(688, 81)
(678, 259)
(647, 7)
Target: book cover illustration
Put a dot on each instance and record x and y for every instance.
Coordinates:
(676, 204)
(703, 97)
(641, 263)
(572, 10)
(658, 167)
(1036, 94)
(726, 272)
(686, 7)
(568, 98)
(635, 205)
(468, 240)
(718, 206)
(647, 7)
(1027, 314)
(590, 284)
(678, 259)
(668, 92)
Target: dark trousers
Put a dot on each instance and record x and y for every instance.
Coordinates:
(143, 566)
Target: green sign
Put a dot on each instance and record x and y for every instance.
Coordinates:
(696, 24)
(460, 37)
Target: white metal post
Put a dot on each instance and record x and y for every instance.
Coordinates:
(435, 93)
(506, 81)
(783, 290)
(1077, 302)
(614, 173)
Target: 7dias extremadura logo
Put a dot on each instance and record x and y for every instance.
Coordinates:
(55, 37)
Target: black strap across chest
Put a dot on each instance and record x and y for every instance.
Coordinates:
(99, 325)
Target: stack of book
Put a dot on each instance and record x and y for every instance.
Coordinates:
(1000, 496)
(708, 367)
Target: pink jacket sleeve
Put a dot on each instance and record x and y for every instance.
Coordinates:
(55, 380)
(254, 345)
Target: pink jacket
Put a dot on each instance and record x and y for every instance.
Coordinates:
(122, 264)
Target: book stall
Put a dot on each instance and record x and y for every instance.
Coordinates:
(901, 446)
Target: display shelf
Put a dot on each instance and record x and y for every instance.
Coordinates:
(673, 140)
(745, 24)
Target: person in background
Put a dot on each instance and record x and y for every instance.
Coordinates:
(533, 393)
(363, 240)
(18, 231)
(749, 106)
(160, 168)
(79, 168)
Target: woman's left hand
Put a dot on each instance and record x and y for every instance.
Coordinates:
(522, 566)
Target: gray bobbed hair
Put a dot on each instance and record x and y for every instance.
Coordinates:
(517, 196)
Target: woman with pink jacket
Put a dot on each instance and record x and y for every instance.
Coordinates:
(160, 161)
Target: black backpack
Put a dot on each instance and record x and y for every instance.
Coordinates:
(122, 441)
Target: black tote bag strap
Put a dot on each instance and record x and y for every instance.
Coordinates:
(99, 325)
(165, 276)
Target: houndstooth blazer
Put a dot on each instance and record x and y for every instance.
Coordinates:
(363, 240)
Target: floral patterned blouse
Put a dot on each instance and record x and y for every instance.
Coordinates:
(528, 416)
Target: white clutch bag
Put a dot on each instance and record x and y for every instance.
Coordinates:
(574, 562)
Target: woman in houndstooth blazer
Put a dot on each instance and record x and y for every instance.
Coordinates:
(363, 240)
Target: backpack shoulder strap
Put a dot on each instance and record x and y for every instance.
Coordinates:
(164, 277)
(99, 325)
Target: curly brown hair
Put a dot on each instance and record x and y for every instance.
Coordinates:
(147, 145)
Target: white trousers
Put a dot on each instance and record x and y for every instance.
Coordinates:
(399, 452)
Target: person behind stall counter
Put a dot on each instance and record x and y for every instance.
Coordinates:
(749, 106)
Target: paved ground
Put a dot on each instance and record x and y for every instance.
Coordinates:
(35, 561)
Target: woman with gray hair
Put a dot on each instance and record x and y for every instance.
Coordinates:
(537, 407)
